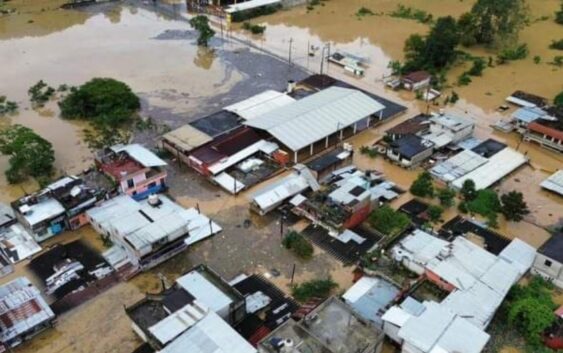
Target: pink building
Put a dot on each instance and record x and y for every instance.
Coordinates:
(137, 171)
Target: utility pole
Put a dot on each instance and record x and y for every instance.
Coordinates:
(290, 48)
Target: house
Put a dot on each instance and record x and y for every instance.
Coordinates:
(137, 171)
(323, 166)
(410, 150)
(416, 80)
(524, 116)
(23, 312)
(275, 194)
(7, 216)
(547, 131)
(318, 121)
(332, 327)
(477, 282)
(148, 232)
(448, 129)
(419, 124)
(58, 207)
(549, 260)
(371, 297)
(554, 183)
(526, 100)
(17, 244)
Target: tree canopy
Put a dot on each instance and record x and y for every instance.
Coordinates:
(422, 186)
(513, 206)
(494, 22)
(30, 154)
(558, 100)
(104, 101)
(435, 51)
(468, 190)
(388, 221)
(446, 197)
(201, 24)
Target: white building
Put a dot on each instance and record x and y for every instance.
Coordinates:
(148, 232)
(446, 129)
(549, 260)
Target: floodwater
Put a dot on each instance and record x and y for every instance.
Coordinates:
(71, 47)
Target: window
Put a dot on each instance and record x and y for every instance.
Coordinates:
(547, 263)
(130, 183)
(152, 185)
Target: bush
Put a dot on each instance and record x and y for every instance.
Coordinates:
(446, 197)
(298, 244)
(477, 68)
(103, 101)
(537, 59)
(388, 221)
(242, 16)
(255, 29)
(317, 288)
(7, 107)
(556, 44)
(434, 213)
(423, 186)
(30, 154)
(364, 11)
(40, 93)
(201, 24)
(463, 79)
(514, 53)
(485, 204)
(454, 98)
(410, 13)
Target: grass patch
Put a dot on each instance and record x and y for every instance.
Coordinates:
(317, 288)
(297, 243)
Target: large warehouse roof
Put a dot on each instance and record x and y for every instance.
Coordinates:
(260, 104)
(317, 116)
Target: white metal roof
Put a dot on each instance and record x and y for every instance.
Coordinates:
(140, 154)
(451, 122)
(42, 211)
(21, 304)
(260, 146)
(187, 137)
(6, 214)
(209, 335)
(317, 116)
(174, 325)
(204, 291)
(425, 330)
(520, 102)
(18, 243)
(554, 182)
(420, 246)
(227, 182)
(458, 165)
(498, 166)
(528, 114)
(519, 254)
(396, 316)
(243, 6)
(461, 337)
(260, 104)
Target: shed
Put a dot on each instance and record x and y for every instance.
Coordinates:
(554, 182)
(186, 138)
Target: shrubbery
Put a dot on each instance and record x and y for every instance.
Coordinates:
(7, 107)
(388, 221)
(242, 16)
(255, 29)
(318, 288)
(298, 244)
(40, 93)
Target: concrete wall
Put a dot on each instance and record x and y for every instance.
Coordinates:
(554, 272)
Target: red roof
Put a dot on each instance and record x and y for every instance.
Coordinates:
(417, 76)
(546, 130)
(121, 168)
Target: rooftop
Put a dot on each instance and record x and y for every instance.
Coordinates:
(527, 99)
(452, 122)
(21, 309)
(417, 76)
(528, 114)
(226, 145)
(411, 126)
(328, 159)
(217, 123)
(186, 138)
(411, 145)
(458, 165)
(331, 328)
(6, 215)
(317, 116)
(554, 182)
(553, 247)
(124, 160)
(17, 243)
(260, 104)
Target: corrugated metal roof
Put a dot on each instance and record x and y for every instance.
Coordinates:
(461, 337)
(519, 254)
(498, 166)
(554, 182)
(312, 118)
(18, 243)
(425, 330)
(457, 166)
(187, 138)
(204, 291)
(260, 104)
(370, 296)
(528, 114)
(44, 210)
(179, 322)
(209, 335)
(140, 154)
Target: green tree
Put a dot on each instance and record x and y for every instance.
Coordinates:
(30, 154)
(559, 15)
(104, 101)
(388, 221)
(530, 309)
(558, 100)
(435, 51)
(435, 213)
(486, 204)
(298, 244)
(497, 22)
(478, 67)
(423, 186)
(446, 197)
(513, 206)
(201, 24)
(468, 191)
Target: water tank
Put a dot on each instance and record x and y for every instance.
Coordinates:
(154, 200)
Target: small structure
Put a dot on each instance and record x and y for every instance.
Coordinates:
(272, 196)
(323, 166)
(370, 297)
(526, 100)
(136, 170)
(23, 312)
(549, 260)
(457, 166)
(446, 129)
(17, 244)
(7, 216)
(148, 232)
(409, 151)
(351, 63)
(319, 120)
(416, 80)
(554, 182)
(524, 116)
(247, 7)
(59, 206)
(419, 124)
(332, 327)
(548, 131)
